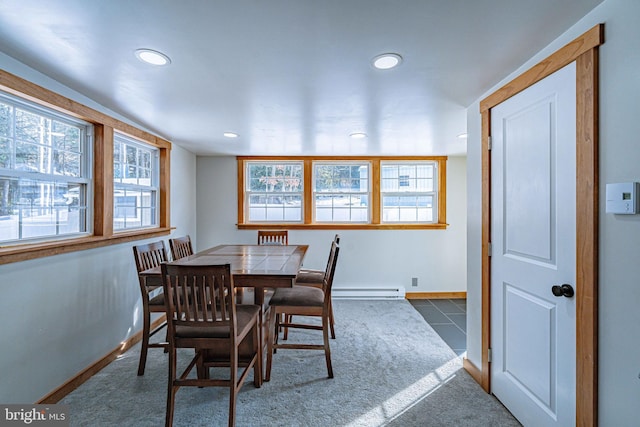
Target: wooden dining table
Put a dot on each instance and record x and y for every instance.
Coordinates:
(253, 266)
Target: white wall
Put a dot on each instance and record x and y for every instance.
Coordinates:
(62, 313)
(368, 258)
(619, 288)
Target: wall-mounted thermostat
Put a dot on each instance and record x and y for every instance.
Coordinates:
(622, 198)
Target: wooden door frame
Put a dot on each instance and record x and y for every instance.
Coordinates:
(584, 51)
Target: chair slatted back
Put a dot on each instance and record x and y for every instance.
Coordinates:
(273, 237)
(150, 255)
(199, 296)
(331, 270)
(180, 247)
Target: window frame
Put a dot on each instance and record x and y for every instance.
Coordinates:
(315, 192)
(154, 168)
(405, 181)
(247, 194)
(374, 184)
(83, 179)
(101, 165)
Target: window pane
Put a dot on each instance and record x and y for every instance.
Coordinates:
(407, 192)
(274, 191)
(275, 207)
(30, 157)
(132, 174)
(341, 192)
(131, 155)
(66, 137)
(135, 174)
(5, 152)
(28, 126)
(67, 152)
(134, 208)
(35, 208)
(66, 163)
(336, 177)
(49, 200)
(145, 159)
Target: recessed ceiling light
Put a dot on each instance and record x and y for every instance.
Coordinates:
(230, 134)
(387, 61)
(152, 57)
(358, 135)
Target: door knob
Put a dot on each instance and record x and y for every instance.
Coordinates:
(563, 290)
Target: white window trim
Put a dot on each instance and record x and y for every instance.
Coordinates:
(154, 187)
(247, 193)
(367, 193)
(434, 193)
(86, 171)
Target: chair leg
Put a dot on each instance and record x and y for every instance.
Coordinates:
(331, 321)
(171, 391)
(286, 318)
(146, 326)
(202, 371)
(233, 389)
(272, 333)
(257, 368)
(327, 350)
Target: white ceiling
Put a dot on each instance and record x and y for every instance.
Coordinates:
(289, 76)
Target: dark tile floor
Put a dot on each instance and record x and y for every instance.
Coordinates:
(448, 317)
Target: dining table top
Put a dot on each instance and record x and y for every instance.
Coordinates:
(275, 261)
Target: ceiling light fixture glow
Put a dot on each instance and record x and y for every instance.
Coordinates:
(387, 61)
(230, 135)
(152, 57)
(358, 135)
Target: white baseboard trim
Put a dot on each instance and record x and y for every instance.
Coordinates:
(356, 292)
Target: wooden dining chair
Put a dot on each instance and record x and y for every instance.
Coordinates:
(273, 237)
(315, 278)
(180, 247)
(202, 314)
(302, 301)
(149, 256)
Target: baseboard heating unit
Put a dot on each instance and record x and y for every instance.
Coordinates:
(369, 293)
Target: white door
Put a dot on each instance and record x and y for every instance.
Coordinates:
(533, 222)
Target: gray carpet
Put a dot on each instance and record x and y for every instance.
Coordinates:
(390, 367)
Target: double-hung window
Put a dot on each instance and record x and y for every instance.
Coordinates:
(408, 192)
(341, 192)
(45, 177)
(273, 191)
(136, 177)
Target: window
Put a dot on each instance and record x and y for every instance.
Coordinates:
(135, 191)
(342, 192)
(407, 192)
(57, 176)
(44, 173)
(274, 191)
